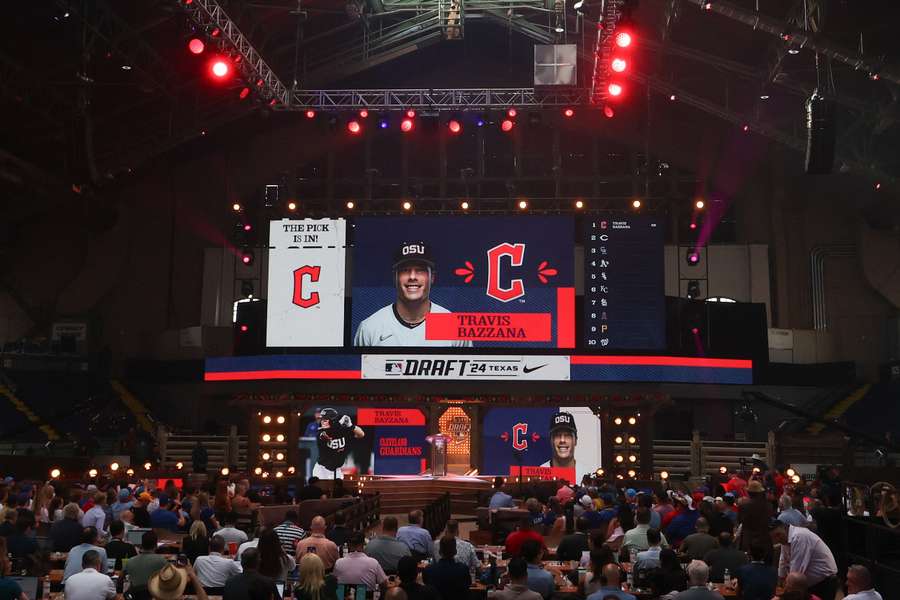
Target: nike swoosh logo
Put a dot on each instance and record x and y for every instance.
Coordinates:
(530, 369)
(381, 338)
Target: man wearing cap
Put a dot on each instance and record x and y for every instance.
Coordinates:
(123, 503)
(563, 439)
(402, 323)
(141, 511)
(334, 435)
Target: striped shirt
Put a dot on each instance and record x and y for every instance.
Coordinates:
(289, 534)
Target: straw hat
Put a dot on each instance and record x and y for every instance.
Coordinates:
(168, 583)
(755, 487)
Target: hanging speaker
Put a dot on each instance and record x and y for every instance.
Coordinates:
(820, 134)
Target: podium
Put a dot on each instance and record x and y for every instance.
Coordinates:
(438, 454)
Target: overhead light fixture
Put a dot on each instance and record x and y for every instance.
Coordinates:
(578, 4)
(763, 96)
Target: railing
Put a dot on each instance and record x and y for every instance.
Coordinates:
(436, 515)
(697, 457)
(222, 451)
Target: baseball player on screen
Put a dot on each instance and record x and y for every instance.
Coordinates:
(563, 439)
(402, 323)
(335, 433)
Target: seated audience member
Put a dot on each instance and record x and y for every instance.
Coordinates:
(9, 587)
(572, 546)
(249, 584)
(596, 542)
(141, 509)
(325, 548)
(117, 547)
(356, 568)
(803, 551)
(386, 548)
(415, 536)
(593, 579)
(859, 584)
(140, 568)
(89, 541)
(796, 587)
(540, 580)
(649, 558)
(66, 533)
(339, 532)
(168, 516)
(169, 582)
(636, 538)
(408, 571)
(524, 533)
(670, 577)
(90, 583)
(274, 562)
(450, 578)
(311, 491)
(196, 543)
(726, 556)
(622, 522)
(756, 580)
(697, 545)
(698, 578)
(214, 569)
(611, 588)
(500, 499)
(465, 551)
(21, 545)
(290, 532)
(645, 500)
(313, 583)
(517, 589)
(229, 532)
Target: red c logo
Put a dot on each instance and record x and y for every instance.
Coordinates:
(520, 442)
(516, 289)
(313, 275)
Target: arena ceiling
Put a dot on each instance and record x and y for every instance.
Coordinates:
(91, 89)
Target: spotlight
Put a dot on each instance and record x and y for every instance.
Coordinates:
(292, 470)
(354, 127)
(632, 458)
(267, 419)
(511, 113)
(579, 204)
(383, 123)
(406, 125)
(292, 206)
(608, 112)
(280, 419)
(129, 472)
(763, 96)
(92, 473)
(225, 471)
(265, 475)
(693, 226)
(179, 465)
(617, 420)
(506, 125)
(279, 456)
(257, 471)
(631, 473)
(632, 439)
(695, 330)
(692, 257)
(236, 207)
(673, 97)
(663, 475)
(632, 420)
(745, 128)
(479, 122)
(618, 65)
(216, 32)
(790, 472)
(614, 89)
(794, 50)
(364, 114)
(244, 328)
(245, 92)
(755, 470)
(219, 68)
(699, 204)
(279, 474)
(266, 437)
(523, 204)
(55, 473)
(454, 126)
(350, 205)
(599, 472)
(196, 46)
(279, 437)
(410, 114)
(568, 113)
(147, 466)
(723, 469)
(618, 439)
(248, 227)
(623, 39)
(636, 204)
(407, 205)
(247, 257)
(266, 456)
(114, 466)
(620, 458)
(464, 205)
(795, 479)
(310, 114)
(620, 476)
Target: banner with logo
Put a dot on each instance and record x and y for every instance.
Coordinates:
(562, 443)
(306, 283)
(399, 439)
(456, 367)
(503, 282)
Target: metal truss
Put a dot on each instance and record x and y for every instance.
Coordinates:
(603, 50)
(436, 99)
(208, 13)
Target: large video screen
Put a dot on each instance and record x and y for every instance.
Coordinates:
(463, 282)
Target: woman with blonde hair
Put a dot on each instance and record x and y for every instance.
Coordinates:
(197, 541)
(314, 585)
(42, 504)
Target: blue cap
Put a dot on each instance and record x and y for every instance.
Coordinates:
(124, 493)
(630, 493)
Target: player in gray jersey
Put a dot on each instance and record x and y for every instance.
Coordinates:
(402, 323)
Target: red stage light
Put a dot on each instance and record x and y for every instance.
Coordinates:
(454, 126)
(244, 93)
(310, 114)
(615, 89)
(216, 32)
(244, 328)
(608, 112)
(569, 113)
(196, 46)
(618, 65)
(411, 114)
(353, 127)
(506, 125)
(220, 68)
(406, 125)
(695, 330)
(693, 226)
(511, 113)
(247, 259)
(248, 227)
(364, 114)
(623, 39)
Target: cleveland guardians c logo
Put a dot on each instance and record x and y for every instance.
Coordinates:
(519, 441)
(516, 289)
(312, 274)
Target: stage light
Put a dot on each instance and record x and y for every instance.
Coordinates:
(877, 186)
(631, 473)
(292, 470)
(225, 471)
(279, 437)
(523, 204)
(663, 475)
(383, 124)
(216, 32)
(707, 6)
(147, 466)
(407, 205)
(599, 472)
(635, 204)
(350, 205)
(354, 127)
(692, 257)
(623, 39)
(245, 92)
(618, 439)
(693, 226)
(794, 50)
(464, 205)
(279, 474)
(410, 114)
(114, 466)
(755, 470)
(795, 479)
(673, 97)
(244, 328)
(506, 125)
(248, 227)
(364, 114)
(292, 206)
(280, 419)
(55, 473)
(723, 469)
(608, 112)
(617, 420)
(310, 114)
(745, 128)
(92, 473)
(265, 475)
(266, 437)
(236, 207)
(266, 456)
(579, 204)
(257, 471)
(632, 458)
(614, 89)
(695, 330)
(763, 96)
(618, 65)
(129, 472)
(220, 68)
(479, 122)
(126, 67)
(511, 113)
(179, 465)
(632, 421)
(267, 419)
(247, 257)
(620, 476)
(196, 46)
(279, 456)
(790, 472)
(406, 125)
(568, 113)
(699, 204)
(632, 439)
(454, 126)
(620, 458)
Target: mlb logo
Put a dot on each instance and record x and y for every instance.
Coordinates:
(393, 368)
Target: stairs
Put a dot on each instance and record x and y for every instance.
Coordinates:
(401, 494)
(48, 430)
(137, 408)
(840, 408)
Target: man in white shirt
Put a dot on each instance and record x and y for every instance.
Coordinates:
(96, 516)
(230, 533)
(90, 584)
(803, 551)
(859, 584)
(402, 323)
(215, 569)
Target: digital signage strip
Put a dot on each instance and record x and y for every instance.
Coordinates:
(457, 367)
